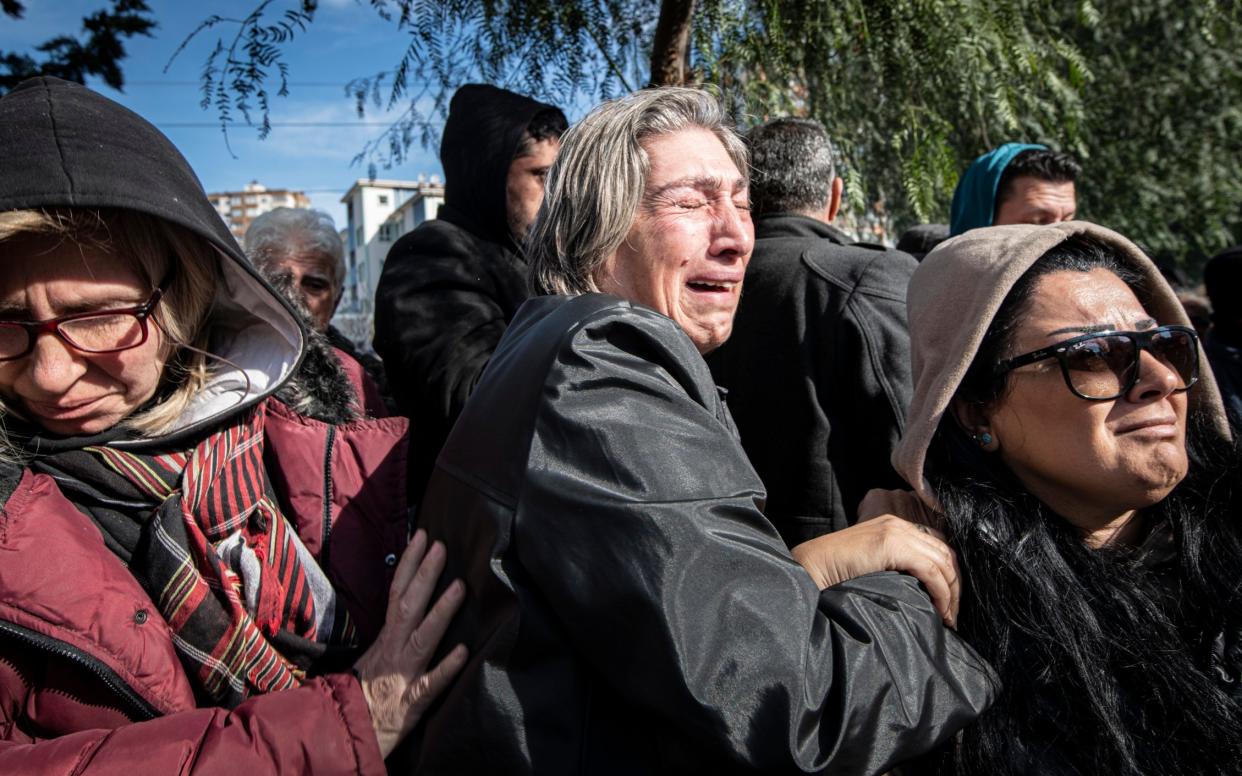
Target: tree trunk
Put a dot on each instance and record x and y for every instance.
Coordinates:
(671, 47)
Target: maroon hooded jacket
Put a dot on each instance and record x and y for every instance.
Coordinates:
(89, 677)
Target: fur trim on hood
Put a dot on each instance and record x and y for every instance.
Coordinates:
(319, 388)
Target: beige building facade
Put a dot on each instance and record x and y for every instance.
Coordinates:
(239, 208)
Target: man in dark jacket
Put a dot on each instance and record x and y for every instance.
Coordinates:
(817, 368)
(450, 287)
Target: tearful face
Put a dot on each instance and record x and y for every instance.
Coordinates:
(1102, 457)
(686, 253)
(62, 389)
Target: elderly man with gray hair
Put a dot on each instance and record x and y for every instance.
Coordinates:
(818, 367)
(300, 252)
(630, 610)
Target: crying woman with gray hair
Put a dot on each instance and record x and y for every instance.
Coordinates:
(630, 609)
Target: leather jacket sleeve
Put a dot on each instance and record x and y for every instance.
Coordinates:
(640, 523)
(322, 727)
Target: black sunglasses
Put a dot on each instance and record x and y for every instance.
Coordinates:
(1105, 366)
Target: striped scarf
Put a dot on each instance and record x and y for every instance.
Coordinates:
(249, 607)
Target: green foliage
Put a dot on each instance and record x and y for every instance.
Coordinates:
(910, 90)
(236, 73)
(561, 51)
(99, 54)
(1161, 137)
(1145, 92)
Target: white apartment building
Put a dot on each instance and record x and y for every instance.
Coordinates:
(239, 208)
(378, 212)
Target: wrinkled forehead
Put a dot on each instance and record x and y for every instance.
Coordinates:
(696, 135)
(1067, 303)
(100, 240)
(305, 261)
(81, 257)
(1096, 296)
(65, 273)
(295, 252)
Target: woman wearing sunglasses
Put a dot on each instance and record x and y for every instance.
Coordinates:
(1075, 445)
(194, 577)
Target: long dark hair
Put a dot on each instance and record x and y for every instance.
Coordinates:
(1111, 659)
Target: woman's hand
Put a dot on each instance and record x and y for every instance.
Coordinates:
(394, 675)
(886, 543)
(902, 503)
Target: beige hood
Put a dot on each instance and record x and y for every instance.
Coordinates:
(956, 292)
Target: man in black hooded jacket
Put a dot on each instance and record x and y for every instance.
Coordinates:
(450, 288)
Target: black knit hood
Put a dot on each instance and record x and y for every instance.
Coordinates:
(483, 131)
(65, 146)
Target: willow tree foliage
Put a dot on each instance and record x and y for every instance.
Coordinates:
(1146, 93)
(98, 53)
(1161, 133)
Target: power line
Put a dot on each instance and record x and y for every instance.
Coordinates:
(277, 124)
(274, 124)
(335, 84)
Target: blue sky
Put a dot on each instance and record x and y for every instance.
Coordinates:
(347, 40)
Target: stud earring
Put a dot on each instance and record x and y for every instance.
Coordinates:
(983, 439)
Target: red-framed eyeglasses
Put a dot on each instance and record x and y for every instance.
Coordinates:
(96, 331)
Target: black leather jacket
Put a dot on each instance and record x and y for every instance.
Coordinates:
(630, 610)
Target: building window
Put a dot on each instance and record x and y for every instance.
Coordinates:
(358, 236)
(383, 199)
(389, 231)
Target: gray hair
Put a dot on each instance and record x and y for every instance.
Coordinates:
(286, 231)
(597, 181)
(793, 166)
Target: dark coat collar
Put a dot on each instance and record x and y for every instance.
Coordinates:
(797, 225)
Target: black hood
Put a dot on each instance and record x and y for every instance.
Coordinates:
(484, 127)
(66, 146)
(63, 145)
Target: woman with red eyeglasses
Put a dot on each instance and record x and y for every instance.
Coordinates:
(195, 576)
(1071, 438)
